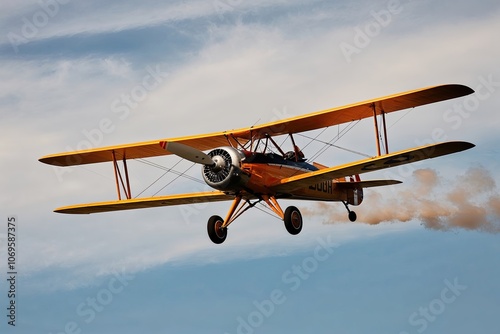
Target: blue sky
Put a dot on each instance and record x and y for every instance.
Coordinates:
(423, 256)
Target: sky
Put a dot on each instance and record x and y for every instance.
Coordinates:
(422, 256)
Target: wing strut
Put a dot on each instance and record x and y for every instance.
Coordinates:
(237, 210)
(118, 175)
(275, 144)
(384, 126)
(273, 204)
(385, 132)
(295, 149)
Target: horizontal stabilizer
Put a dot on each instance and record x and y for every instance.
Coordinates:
(368, 183)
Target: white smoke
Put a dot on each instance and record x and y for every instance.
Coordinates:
(471, 201)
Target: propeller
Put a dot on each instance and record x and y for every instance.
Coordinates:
(189, 153)
(221, 166)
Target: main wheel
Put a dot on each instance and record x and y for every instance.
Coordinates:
(293, 220)
(216, 232)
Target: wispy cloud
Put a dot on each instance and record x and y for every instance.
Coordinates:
(28, 22)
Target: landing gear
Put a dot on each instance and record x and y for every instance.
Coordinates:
(352, 215)
(216, 231)
(293, 220)
(217, 227)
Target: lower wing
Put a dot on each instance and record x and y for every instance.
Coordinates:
(148, 202)
(290, 184)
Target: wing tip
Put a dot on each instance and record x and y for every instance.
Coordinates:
(460, 89)
(61, 160)
(461, 145)
(46, 160)
(73, 211)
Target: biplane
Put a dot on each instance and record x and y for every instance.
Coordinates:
(247, 166)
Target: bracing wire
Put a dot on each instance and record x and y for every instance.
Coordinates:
(315, 138)
(167, 170)
(175, 178)
(400, 118)
(329, 144)
(267, 211)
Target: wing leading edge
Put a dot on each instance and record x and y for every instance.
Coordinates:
(297, 124)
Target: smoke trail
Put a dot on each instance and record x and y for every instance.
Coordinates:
(471, 201)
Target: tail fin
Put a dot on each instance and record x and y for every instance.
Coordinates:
(354, 189)
(354, 178)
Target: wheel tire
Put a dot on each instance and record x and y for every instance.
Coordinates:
(215, 231)
(352, 216)
(293, 220)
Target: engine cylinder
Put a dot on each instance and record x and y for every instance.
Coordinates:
(225, 174)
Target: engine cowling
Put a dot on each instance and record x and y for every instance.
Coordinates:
(225, 174)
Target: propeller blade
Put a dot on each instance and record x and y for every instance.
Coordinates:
(188, 153)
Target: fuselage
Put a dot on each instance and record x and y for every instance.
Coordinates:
(237, 171)
(269, 168)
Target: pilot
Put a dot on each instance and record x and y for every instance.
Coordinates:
(290, 155)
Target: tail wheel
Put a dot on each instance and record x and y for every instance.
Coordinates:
(352, 216)
(216, 232)
(293, 220)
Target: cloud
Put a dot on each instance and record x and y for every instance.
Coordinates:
(27, 22)
(271, 64)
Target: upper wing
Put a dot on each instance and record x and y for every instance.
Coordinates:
(132, 151)
(357, 111)
(368, 165)
(297, 124)
(149, 202)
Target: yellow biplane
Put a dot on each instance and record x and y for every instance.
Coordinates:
(247, 166)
